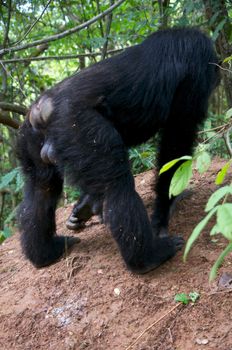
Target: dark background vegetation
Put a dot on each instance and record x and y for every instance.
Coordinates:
(42, 42)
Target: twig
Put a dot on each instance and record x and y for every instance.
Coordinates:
(65, 57)
(5, 120)
(107, 33)
(212, 129)
(226, 137)
(152, 325)
(219, 133)
(13, 108)
(64, 33)
(3, 66)
(218, 65)
(170, 335)
(33, 24)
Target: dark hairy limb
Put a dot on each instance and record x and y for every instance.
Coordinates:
(43, 186)
(100, 166)
(83, 211)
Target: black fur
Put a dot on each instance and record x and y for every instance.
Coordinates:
(160, 85)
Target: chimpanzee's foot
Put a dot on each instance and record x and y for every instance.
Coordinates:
(73, 223)
(49, 252)
(171, 244)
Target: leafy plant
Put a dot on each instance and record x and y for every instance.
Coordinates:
(222, 211)
(12, 183)
(5, 233)
(142, 157)
(14, 178)
(187, 298)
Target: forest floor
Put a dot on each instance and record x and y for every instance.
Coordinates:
(89, 300)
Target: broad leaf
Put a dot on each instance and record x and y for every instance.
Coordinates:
(203, 162)
(7, 178)
(181, 178)
(217, 196)
(224, 220)
(170, 164)
(229, 113)
(222, 173)
(197, 230)
(219, 261)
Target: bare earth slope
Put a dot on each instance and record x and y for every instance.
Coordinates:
(89, 300)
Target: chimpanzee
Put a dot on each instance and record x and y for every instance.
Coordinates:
(82, 128)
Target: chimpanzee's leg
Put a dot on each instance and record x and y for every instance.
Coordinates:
(98, 163)
(43, 186)
(177, 139)
(83, 211)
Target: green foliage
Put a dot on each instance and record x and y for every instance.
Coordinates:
(12, 183)
(5, 233)
(222, 173)
(222, 226)
(12, 178)
(181, 178)
(71, 194)
(142, 157)
(222, 211)
(170, 164)
(203, 162)
(229, 113)
(187, 298)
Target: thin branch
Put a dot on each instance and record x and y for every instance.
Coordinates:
(7, 72)
(9, 121)
(98, 11)
(6, 38)
(213, 129)
(108, 27)
(222, 68)
(65, 57)
(13, 108)
(33, 24)
(63, 34)
(152, 325)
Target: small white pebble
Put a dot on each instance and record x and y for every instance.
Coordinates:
(202, 341)
(117, 291)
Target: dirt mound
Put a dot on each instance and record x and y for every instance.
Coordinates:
(89, 300)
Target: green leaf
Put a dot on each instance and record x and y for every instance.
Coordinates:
(197, 230)
(5, 233)
(19, 182)
(182, 298)
(7, 178)
(203, 162)
(218, 29)
(194, 296)
(216, 196)
(224, 220)
(214, 231)
(222, 173)
(181, 178)
(219, 261)
(227, 59)
(229, 113)
(170, 164)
